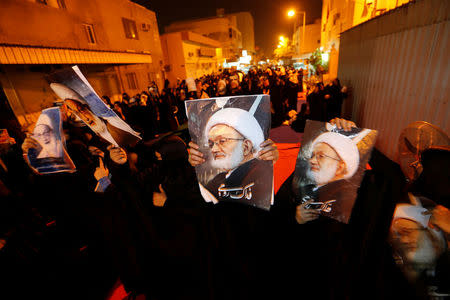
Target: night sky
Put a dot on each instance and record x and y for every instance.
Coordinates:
(270, 17)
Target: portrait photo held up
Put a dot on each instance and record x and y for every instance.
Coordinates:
(330, 166)
(72, 87)
(229, 132)
(49, 155)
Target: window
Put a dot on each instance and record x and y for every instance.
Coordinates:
(132, 81)
(89, 29)
(129, 26)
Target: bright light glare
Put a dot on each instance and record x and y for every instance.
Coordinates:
(291, 13)
(279, 46)
(325, 57)
(281, 38)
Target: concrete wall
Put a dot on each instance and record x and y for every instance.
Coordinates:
(245, 24)
(312, 37)
(37, 26)
(216, 28)
(31, 23)
(28, 92)
(396, 66)
(181, 55)
(341, 15)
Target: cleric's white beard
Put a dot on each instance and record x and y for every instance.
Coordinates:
(424, 255)
(230, 162)
(99, 127)
(323, 176)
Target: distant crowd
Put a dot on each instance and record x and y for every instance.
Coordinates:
(159, 110)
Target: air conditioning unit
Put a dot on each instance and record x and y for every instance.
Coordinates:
(145, 27)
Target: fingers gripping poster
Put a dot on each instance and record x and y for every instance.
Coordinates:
(229, 132)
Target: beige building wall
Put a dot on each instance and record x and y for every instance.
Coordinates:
(222, 29)
(341, 15)
(337, 16)
(36, 38)
(245, 24)
(187, 54)
(366, 11)
(312, 38)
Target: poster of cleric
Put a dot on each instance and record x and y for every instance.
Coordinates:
(229, 131)
(330, 166)
(79, 97)
(49, 154)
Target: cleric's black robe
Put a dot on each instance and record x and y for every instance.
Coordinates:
(247, 184)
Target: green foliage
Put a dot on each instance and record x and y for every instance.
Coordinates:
(315, 60)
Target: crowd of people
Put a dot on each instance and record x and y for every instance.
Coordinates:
(159, 110)
(136, 213)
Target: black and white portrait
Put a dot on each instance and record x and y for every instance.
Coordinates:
(330, 166)
(73, 88)
(229, 131)
(50, 156)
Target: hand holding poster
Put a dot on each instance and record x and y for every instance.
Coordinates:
(80, 98)
(229, 132)
(48, 154)
(330, 166)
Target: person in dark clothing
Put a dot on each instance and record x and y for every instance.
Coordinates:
(316, 103)
(298, 124)
(107, 101)
(292, 89)
(333, 98)
(166, 110)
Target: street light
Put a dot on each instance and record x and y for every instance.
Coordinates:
(292, 13)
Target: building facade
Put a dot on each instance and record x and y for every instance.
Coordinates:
(246, 25)
(223, 28)
(341, 15)
(116, 44)
(189, 54)
(312, 39)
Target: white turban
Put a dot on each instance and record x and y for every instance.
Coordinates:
(411, 212)
(190, 82)
(415, 213)
(241, 120)
(44, 119)
(344, 146)
(65, 92)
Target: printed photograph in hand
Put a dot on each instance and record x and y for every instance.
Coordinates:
(229, 132)
(330, 166)
(50, 156)
(80, 98)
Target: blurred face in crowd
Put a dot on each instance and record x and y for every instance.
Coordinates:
(117, 106)
(414, 243)
(43, 133)
(199, 86)
(144, 99)
(228, 147)
(182, 95)
(84, 113)
(325, 165)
